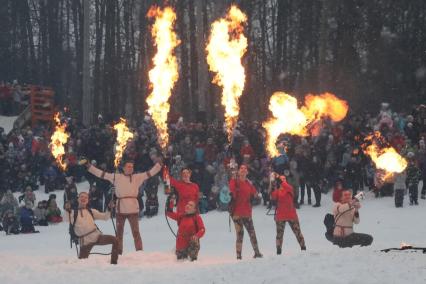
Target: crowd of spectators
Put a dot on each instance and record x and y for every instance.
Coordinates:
(311, 164)
(13, 98)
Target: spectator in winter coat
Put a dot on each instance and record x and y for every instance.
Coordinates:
(353, 175)
(247, 150)
(127, 190)
(286, 212)
(151, 205)
(53, 212)
(9, 202)
(191, 229)
(83, 223)
(177, 167)
(40, 214)
(242, 192)
(210, 151)
(29, 196)
(26, 216)
(413, 176)
(187, 150)
(400, 188)
(345, 215)
(10, 223)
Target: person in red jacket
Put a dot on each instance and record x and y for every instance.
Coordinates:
(286, 212)
(186, 190)
(337, 192)
(191, 229)
(242, 191)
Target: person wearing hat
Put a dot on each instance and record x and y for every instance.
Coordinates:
(127, 189)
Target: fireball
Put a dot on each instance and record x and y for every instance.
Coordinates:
(227, 45)
(123, 137)
(58, 140)
(287, 117)
(384, 156)
(164, 74)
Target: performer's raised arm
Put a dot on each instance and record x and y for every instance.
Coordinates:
(100, 173)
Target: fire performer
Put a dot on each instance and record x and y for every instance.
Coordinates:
(286, 212)
(185, 190)
(126, 189)
(346, 213)
(191, 229)
(242, 193)
(83, 227)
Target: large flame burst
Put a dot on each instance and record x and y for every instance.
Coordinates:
(123, 137)
(288, 118)
(165, 72)
(58, 140)
(226, 47)
(383, 155)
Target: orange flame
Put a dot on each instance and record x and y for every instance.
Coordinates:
(383, 156)
(123, 136)
(57, 141)
(226, 47)
(288, 118)
(165, 72)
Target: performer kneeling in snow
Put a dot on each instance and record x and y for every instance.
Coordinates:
(84, 227)
(191, 229)
(286, 212)
(345, 215)
(242, 192)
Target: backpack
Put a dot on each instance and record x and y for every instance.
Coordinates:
(329, 223)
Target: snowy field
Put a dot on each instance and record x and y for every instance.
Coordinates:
(47, 257)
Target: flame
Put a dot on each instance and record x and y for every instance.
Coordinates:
(304, 121)
(165, 72)
(57, 141)
(123, 136)
(226, 47)
(383, 156)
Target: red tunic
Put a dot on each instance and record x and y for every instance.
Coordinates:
(186, 192)
(189, 225)
(241, 192)
(285, 203)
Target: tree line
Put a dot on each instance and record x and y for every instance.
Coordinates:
(364, 51)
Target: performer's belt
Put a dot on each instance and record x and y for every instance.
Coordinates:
(124, 197)
(85, 235)
(342, 229)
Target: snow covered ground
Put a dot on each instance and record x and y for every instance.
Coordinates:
(47, 257)
(7, 122)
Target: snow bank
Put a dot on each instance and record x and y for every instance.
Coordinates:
(7, 122)
(47, 257)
